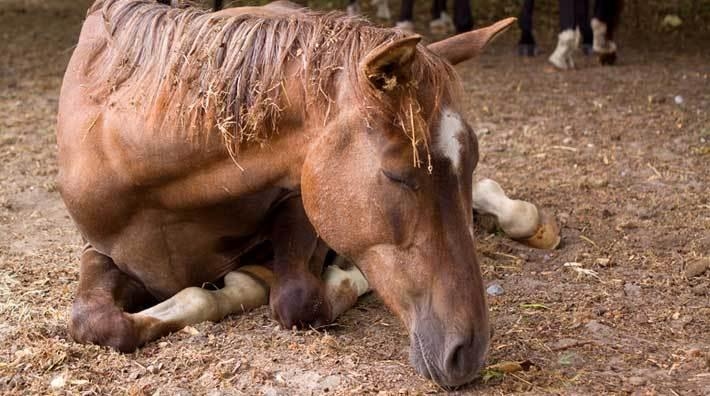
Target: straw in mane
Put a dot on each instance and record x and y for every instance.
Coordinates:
(227, 73)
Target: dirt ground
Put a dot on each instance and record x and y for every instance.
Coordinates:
(621, 155)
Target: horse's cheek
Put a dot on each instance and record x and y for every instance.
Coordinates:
(335, 190)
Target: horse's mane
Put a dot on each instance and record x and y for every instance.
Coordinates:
(227, 72)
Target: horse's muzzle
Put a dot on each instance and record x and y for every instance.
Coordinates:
(447, 357)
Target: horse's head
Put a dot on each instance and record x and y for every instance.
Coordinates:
(389, 186)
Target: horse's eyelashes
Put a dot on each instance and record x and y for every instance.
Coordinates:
(403, 180)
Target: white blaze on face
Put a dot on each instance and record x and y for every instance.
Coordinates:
(450, 129)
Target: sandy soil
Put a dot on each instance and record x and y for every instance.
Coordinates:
(625, 168)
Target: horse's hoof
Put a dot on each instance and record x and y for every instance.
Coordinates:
(587, 49)
(607, 58)
(547, 235)
(405, 26)
(527, 50)
(108, 327)
(353, 9)
(300, 302)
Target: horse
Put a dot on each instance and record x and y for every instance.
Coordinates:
(235, 147)
(596, 35)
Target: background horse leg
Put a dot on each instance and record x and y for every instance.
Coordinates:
(406, 16)
(383, 9)
(353, 8)
(463, 16)
(561, 57)
(441, 23)
(519, 220)
(526, 45)
(99, 310)
(604, 24)
(298, 296)
(582, 21)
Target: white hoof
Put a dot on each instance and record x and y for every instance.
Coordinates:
(561, 57)
(353, 9)
(405, 26)
(442, 25)
(383, 9)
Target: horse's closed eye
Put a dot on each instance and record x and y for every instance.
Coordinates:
(401, 180)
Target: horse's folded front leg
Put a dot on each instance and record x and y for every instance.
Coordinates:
(344, 283)
(298, 294)
(244, 289)
(104, 295)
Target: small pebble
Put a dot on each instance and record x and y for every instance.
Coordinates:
(693, 352)
(603, 262)
(594, 182)
(494, 289)
(597, 328)
(645, 213)
(637, 381)
(696, 268)
(632, 290)
(641, 318)
(700, 290)
(678, 99)
(58, 382)
(565, 343)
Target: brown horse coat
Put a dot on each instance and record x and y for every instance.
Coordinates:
(190, 143)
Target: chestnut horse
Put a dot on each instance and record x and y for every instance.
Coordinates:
(188, 139)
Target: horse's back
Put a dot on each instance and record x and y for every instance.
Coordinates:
(152, 200)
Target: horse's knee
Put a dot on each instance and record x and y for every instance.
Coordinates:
(106, 326)
(300, 301)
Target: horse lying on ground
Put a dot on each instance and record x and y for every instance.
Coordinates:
(194, 145)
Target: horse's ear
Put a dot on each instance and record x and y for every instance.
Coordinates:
(389, 64)
(467, 45)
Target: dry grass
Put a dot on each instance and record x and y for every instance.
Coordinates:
(643, 329)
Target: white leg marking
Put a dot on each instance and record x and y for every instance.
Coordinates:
(353, 9)
(383, 9)
(194, 305)
(450, 129)
(343, 287)
(562, 56)
(518, 219)
(600, 44)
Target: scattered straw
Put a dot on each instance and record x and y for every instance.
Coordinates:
(577, 267)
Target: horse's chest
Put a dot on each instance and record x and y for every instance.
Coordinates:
(170, 250)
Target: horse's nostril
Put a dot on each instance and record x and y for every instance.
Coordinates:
(464, 358)
(456, 360)
(457, 357)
